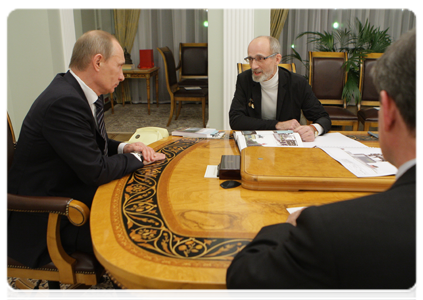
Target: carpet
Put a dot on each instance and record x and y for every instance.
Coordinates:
(102, 291)
(130, 117)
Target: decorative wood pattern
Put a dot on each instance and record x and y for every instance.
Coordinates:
(137, 219)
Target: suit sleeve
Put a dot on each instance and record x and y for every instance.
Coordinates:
(67, 128)
(285, 256)
(312, 108)
(243, 117)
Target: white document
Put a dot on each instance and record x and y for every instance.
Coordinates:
(362, 162)
(267, 138)
(333, 140)
(211, 172)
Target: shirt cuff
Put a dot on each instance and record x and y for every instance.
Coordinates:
(138, 155)
(318, 127)
(120, 147)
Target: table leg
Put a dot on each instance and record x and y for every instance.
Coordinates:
(148, 93)
(123, 94)
(111, 102)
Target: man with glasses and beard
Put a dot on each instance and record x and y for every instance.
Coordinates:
(269, 97)
(362, 243)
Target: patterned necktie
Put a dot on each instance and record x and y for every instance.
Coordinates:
(100, 121)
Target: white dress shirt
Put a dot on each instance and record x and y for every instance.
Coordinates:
(91, 98)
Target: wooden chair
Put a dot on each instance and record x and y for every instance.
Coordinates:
(193, 64)
(243, 67)
(327, 79)
(78, 269)
(369, 96)
(179, 94)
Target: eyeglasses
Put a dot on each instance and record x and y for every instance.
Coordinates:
(258, 58)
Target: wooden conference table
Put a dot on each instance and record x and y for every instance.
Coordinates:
(166, 226)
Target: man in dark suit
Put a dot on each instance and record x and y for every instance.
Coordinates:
(365, 243)
(63, 148)
(268, 97)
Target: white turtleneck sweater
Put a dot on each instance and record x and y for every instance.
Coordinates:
(269, 98)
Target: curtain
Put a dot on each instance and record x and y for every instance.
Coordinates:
(126, 26)
(277, 20)
(298, 21)
(159, 28)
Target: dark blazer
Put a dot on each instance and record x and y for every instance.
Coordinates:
(365, 243)
(59, 153)
(294, 95)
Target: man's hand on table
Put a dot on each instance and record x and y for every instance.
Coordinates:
(288, 125)
(306, 132)
(148, 153)
(294, 216)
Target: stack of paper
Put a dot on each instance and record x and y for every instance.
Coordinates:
(194, 132)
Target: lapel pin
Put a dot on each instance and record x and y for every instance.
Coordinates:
(251, 103)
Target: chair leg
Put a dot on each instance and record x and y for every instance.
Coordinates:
(179, 110)
(172, 107)
(355, 126)
(366, 126)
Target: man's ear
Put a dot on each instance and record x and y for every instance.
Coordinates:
(389, 110)
(278, 58)
(96, 61)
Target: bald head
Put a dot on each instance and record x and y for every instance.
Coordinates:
(269, 42)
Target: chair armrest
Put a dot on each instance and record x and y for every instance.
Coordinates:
(76, 211)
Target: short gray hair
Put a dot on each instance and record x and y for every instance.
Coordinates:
(395, 73)
(89, 44)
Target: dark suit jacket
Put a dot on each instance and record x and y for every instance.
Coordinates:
(365, 243)
(294, 95)
(59, 153)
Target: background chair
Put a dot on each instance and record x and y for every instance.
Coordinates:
(78, 269)
(327, 79)
(369, 96)
(243, 67)
(178, 94)
(193, 65)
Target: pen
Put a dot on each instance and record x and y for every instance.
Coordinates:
(373, 134)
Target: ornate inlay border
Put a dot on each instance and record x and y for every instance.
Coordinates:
(140, 228)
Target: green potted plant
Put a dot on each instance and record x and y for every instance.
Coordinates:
(358, 41)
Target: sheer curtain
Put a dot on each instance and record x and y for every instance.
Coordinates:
(301, 20)
(159, 28)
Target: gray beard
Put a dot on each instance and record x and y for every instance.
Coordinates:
(261, 78)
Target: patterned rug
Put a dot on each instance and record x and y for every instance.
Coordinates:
(130, 117)
(102, 291)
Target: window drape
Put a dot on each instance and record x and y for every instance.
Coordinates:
(160, 28)
(277, 21)
(298, 21)
(126, 26)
